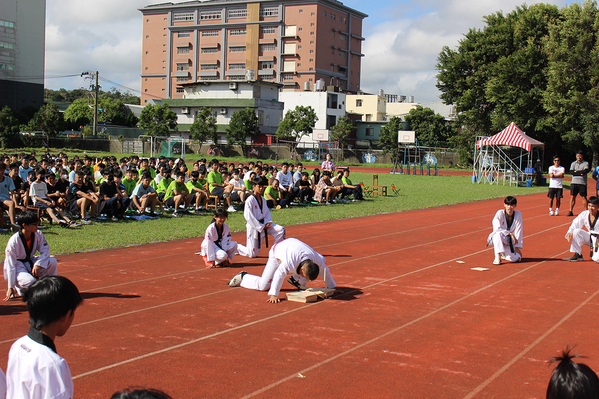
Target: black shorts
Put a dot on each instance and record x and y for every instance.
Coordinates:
(555, 192)
(170, 203)
(578, 189)
(218, 191)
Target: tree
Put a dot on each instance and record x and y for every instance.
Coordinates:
(79, 113)
(572, 94)
(158, 120)
(498, 75)
(8, 125)
(48, 119)
(389, 137)
(297, 123)
(341, 131)
(430, 128)
(204, 126)
(243, 124)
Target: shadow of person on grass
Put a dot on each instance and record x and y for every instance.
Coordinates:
(91, 295)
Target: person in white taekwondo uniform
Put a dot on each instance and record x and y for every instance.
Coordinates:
(2, 385)
(287, 256)
(576, 236)
(35, 370)
(21, 267)
(217, 246)
(259, 222)
(507, 233)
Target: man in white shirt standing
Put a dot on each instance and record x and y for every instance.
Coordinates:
(556, 189)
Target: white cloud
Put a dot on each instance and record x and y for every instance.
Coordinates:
(401, 53)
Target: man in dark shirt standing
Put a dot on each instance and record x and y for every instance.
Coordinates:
(579, 169)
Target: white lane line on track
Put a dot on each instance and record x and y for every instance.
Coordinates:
(164, 350)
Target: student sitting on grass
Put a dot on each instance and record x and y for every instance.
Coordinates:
(13, 173)
(305, 193)
(273, 196)
(114, 203)
(39, 194)
(165, 182)
(198, 191)
(349, 188)
(217, 247)
(7, 196)
(81, 198)
(325, 189)
(130, 180)
(177, 194)
(21, 266)
(144, 195)
(35, 370)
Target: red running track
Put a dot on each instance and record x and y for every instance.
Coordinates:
(409, 320)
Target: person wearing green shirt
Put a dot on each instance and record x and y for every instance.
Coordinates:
(217, 186)
(145, 166)
(177, 194)
(130, 181)
(273, 196)
(198, 191)
(163, 186)
(350, 188)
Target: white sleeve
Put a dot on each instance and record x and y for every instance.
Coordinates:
(10, 261)
(278, 278)
(578, 222)
(2, 385)
(250, 217)
(41, 246)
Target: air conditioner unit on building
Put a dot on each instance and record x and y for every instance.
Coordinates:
(223, 111)
(233, 85)
(185, 110)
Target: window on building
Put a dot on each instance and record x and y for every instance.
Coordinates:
(268, 47)
(269, 12)
(299, 64)
(268, 30)
(325, 13)
(237, 49)
(237, 32)
(182, 66)
(267, 65)
(6, 67)
(287, 77)
(233, 14)
(209, 67)
(299, 46)
(206, 33)
(237, 77)
(311, 51)
(369, 131)
(184, 34)
(209, 77)
(183, 16)
(311, 59)
(311, 41)
(11, 46)
(311, 23)
(310, 69)
(180, 90)
(333, 34)
(207, 15)
(182, 79)
(358, 103)
(342, 36)
(310, 80)
(311, 33)
(299, 29)
(301, 11)
(312, 14)
(182, 50)
(209, 50)
(147, 20)
(237, 66)
(260, 117)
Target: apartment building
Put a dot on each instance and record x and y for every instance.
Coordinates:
(290, 42)
(22, 47)
(372, 107)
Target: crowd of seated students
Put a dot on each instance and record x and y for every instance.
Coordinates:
(89, 189)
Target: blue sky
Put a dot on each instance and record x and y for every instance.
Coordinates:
(403, 39)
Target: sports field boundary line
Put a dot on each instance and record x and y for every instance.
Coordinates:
(495, 375)
(222, 332)
(394, 330)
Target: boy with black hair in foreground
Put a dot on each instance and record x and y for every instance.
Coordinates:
(287, 256)
(35, 370)
(21, 266)
(572, 380)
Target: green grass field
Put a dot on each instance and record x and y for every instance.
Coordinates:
(416, 192)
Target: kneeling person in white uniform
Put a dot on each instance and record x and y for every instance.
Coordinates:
(259, 222)
(288, 256)
(217, 246)
(35, 370)
(577, 236)
(21, 266)
(507, 233)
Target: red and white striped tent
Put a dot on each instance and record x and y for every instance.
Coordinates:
(512, 136)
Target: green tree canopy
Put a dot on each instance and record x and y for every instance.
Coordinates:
(8, 125)
(81, 112)
(297, 123)
(243, 124)
(389, 137)
(342, 130)
(158, 120)
(430, 128)
(204, 126)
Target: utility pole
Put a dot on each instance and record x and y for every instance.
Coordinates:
(96, 87)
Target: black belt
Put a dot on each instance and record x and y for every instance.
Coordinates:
(265, 236)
